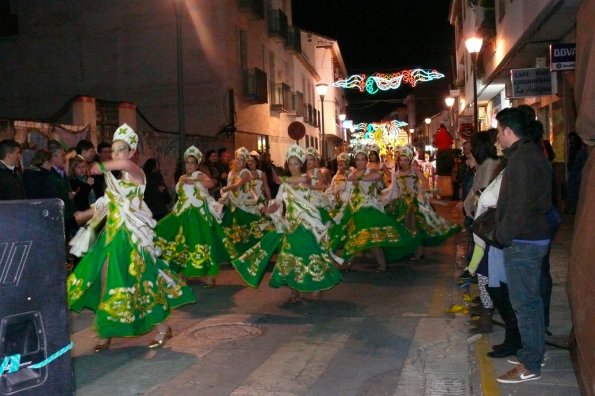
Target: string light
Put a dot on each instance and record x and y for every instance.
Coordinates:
(383, 82)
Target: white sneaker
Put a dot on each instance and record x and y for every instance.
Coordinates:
(514, 360)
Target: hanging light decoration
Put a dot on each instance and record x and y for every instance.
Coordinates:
(383, 82)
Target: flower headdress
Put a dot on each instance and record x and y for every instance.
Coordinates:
(193, 152)
(242, 153)
(312, 151)
(255, 153)
(343, 157)
(296, 151)
(126, 134)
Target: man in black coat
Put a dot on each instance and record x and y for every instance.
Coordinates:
(11, 185)
(522, 228)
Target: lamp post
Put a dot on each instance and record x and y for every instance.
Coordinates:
(321, 90)
(411, 130)
(473, 45)
(428, 121)
(450, 101)
(180, 69)
(342, 118)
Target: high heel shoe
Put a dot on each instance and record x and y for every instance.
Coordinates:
(104, 345)
(161, 338)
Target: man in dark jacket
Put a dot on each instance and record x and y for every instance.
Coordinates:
(11, 185)
(60, 181)
(522, 228)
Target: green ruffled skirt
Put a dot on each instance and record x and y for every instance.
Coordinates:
(370, 228)
(138, 292)
(191, 244)
(422, 221)
(302, 264)
(242, 230)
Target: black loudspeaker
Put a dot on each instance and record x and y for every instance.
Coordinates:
(33, 310)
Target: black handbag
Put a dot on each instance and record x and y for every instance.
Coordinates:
(484, 226)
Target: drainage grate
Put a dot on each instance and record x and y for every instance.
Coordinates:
(226, 332)
(447, 386)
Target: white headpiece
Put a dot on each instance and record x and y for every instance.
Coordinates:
(296, 151)
(312, 151)
(242, 153)
(193, 152)
(343, 157)
(406, 151)
(255, 153)
(126, 134)
(374, 147)
(360, 148)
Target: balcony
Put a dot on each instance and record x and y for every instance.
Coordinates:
(253, 9)
(281, 97)
(278, 26)
(294, 40)
(254, 86)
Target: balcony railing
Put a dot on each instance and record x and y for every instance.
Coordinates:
(278, 25)
(255, 85)
(254, 9)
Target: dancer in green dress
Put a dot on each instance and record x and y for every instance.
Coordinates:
(121, 277)
(339, 190)
(305, 261)
(191, 237)
(243, 223)
(408, 202)
(364, 223)
(258, 183)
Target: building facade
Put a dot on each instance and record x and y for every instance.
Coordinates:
(517, 36)
(240, 68)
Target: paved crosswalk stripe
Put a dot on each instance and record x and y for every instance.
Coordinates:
(295, 366)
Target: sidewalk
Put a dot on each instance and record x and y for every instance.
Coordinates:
(450, 362)
(557, 376)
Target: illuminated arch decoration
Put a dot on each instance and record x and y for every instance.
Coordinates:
(386, 135)
(383, 82)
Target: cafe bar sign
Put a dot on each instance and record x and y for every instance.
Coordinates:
(562, 56)
(536, 81)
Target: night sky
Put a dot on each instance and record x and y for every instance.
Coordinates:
(386, 36)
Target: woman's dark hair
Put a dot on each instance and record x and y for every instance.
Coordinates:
(208, 154)
(40, 157)
(150, 166)
(482, 146)
(375, 154)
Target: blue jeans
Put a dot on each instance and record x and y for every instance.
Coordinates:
(522, 263)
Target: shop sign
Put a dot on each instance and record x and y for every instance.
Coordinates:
(562, 56)
(531, 82)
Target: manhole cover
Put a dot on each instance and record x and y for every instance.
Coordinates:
(227, 332)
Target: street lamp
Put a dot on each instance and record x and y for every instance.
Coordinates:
(341, 121)
(428, 121)
(180, 67)
(411, 130)
(450, 101)
(473, 45)
(321, 90)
